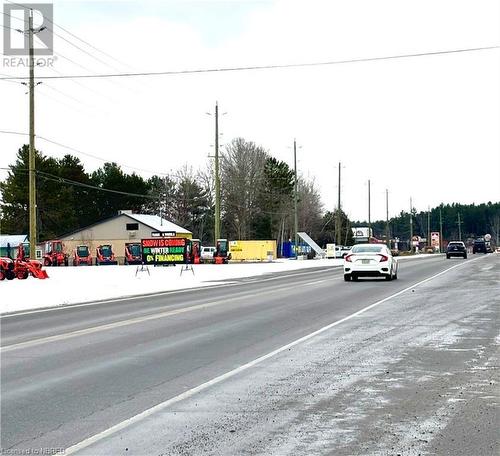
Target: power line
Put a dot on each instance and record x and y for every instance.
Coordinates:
(88, 44)
(84, 153)
(263, 67)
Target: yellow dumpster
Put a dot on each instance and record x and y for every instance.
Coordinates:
(253, 250)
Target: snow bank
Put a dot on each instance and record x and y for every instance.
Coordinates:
(69, 285)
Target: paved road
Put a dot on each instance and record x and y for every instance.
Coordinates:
(71, 373)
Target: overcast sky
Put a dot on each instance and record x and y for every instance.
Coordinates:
(423, 127)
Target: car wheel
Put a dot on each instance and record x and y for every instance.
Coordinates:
(465, 256)
(447, 256)
(388, 277)
(347, 277)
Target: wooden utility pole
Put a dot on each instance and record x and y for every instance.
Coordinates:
(32, 164)
(459, 223)
(411, 226)
(295, 200)
(217, 178)
(338, 228)
(369, 214)
(440, 230)
(388, 241)
(428, 225)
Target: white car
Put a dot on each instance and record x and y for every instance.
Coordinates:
(207, 254)
(370, 260)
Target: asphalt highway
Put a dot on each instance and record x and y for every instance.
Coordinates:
(69, 374)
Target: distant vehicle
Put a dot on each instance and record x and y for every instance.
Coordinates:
(337, 251)
(81, 255)
(481, 246)
(207, 254)
(133, 253)
(456, 248)
(370, 260)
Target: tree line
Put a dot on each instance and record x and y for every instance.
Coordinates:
(257, 200)
(467, 221)
(257, 195)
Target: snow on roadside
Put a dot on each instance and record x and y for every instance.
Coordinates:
(70, 285)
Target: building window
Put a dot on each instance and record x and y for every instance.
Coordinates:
(132, 226)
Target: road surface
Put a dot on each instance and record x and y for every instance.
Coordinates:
(296, 363)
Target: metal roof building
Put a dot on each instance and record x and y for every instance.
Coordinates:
(119, 230)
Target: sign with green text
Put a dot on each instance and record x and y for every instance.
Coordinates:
(164, 250)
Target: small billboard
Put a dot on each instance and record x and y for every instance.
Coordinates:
(159, 251)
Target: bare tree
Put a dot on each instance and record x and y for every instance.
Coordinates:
(242, 174)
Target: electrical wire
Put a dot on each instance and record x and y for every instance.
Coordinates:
(265, 67)
(84, 153)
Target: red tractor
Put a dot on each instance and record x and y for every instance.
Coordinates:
(21, 267)
(133, 253)
(53, 254)
(82, 256)
(7, 268)
(105, 255)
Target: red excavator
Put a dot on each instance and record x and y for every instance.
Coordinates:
(133, 253)
(82, 256)
(53, 254)
(105, 255)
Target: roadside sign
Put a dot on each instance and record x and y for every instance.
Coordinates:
(157, 234)
(159, 251)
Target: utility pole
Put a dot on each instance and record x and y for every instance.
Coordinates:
(428, 225)
(369, 214)
(459, 223)
(217, 178)
(32, 164)
(387, 218)
(296, 219)
(411, 225)
(339, 216)
(440, 229)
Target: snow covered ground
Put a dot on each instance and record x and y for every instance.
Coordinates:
(69, 285)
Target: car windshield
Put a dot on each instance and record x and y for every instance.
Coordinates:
(366, 249)
(83, 251)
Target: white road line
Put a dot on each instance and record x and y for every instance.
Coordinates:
(135, 320)
(229, 283)
(187, 394)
